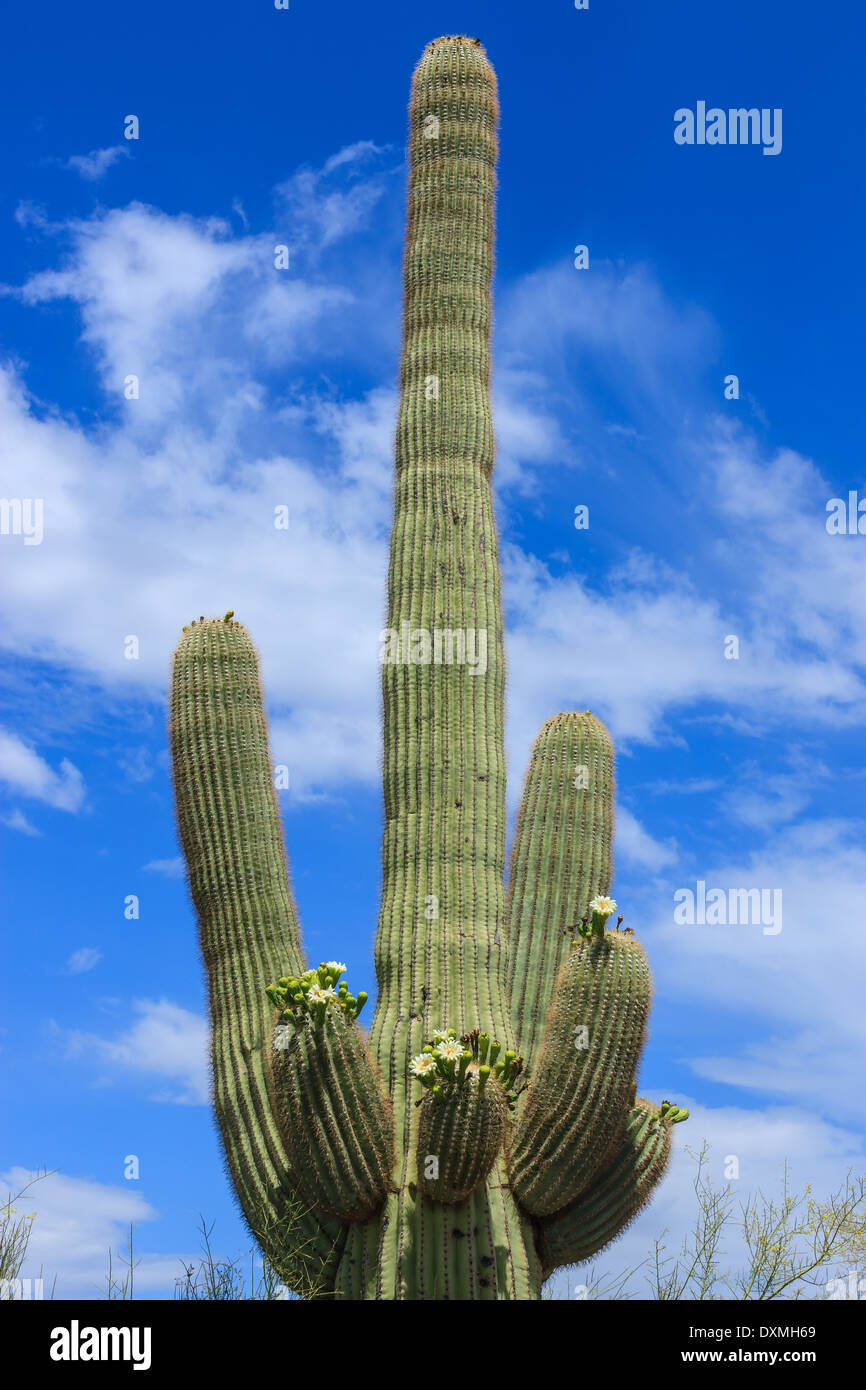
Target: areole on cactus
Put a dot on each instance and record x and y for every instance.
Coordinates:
(422, 1170)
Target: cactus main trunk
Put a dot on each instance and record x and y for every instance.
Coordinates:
(441, 939)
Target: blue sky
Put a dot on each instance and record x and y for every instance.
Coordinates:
(261, 387)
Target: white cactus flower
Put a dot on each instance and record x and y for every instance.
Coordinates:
(603, 905)
(318, 995)
(282, 1037)
(335, 965)
(450, 1050)
(423, 1064)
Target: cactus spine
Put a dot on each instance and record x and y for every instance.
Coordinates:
(328, 1115)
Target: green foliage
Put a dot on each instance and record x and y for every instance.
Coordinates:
(311, 995)
(16, 1229)
(757, 1247)
(215, 1278)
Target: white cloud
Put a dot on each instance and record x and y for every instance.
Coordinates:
(635, 844)
(22, 769)
(92, 166)
(16, 820)
(288, 312)
(328, 751)
(138, 550)
(778, 1066)
(793, 999)
(527, 430)
(29, 214)
(363, 432)
(169, 510)
(328, 213)
(763, 801)
(82, 960)
(621, 324)
(356, 153)
(161, 1040)
(144, 283)
(656, 647)
(168, 868)
(692, 786)
(78, 1222)
(643, 641)
(135, 764)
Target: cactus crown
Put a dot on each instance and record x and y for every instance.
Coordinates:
(481, 1186)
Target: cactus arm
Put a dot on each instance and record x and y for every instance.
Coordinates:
(560, 860)
(578, 1101)
(615, 1199)
(334, 1116)
(230, 834)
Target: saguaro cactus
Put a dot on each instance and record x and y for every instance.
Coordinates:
(487, 1130)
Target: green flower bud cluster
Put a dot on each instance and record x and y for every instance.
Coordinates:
(446, 1061)
(443, 1061)
(486, 1051)
(227, 619)
(311, 995)
(673, 1113)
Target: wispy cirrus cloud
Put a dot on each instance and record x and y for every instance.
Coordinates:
(167, 868)
(95, 165)
(84, 959)
(161, 1041)
(16, 820)
(325, 210)
(795, 1013)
